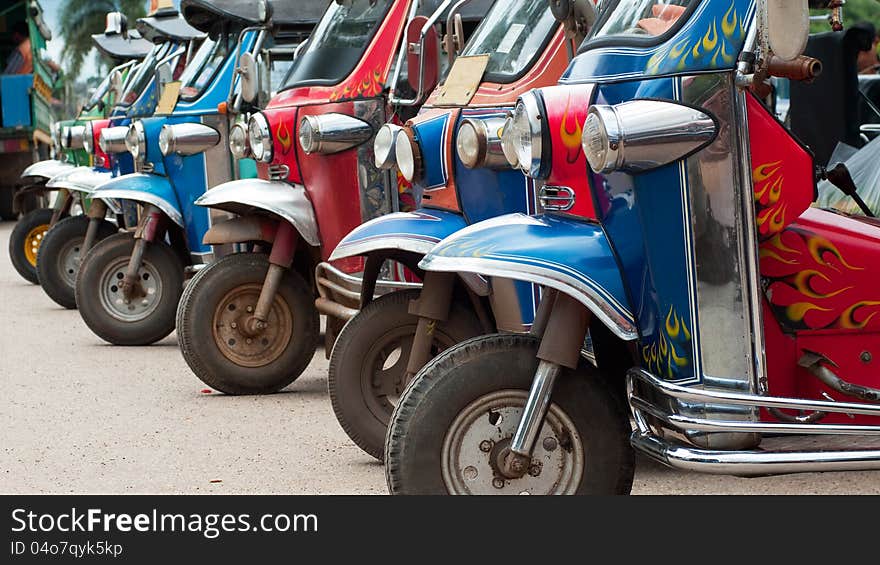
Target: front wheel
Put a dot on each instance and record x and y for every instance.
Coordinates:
(222, 344)
(143, 318)
(60, 256)
(369, 361)
(454, 424)
(25, 241)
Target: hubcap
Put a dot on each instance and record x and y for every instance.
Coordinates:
(32, 242)
(234, 328)
(69, 259)
(383, 377)
(479, 439)
(138, 307)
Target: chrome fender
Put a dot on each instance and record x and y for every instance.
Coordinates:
(80, 179)
(289, 201)
(141, 187)
(571, 256)
(47, 169)
(417, 232)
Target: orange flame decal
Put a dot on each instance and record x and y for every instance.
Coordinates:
(571, 139)
(284, 137)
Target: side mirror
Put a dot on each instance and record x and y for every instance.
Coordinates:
(264, 11)
(116, 84)
(249, 72)
(425, 64)
(164, 74)
(577, 17)
(787, 26)
(454, 40)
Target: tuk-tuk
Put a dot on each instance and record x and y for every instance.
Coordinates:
(124, 48)
(763, 368)
(128, 286)
(461, 177)
(26, 113)
(67, 243)
(249, 324)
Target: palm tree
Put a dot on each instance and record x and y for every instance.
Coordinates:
(80, 19)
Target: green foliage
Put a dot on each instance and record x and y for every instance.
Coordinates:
(854, 11)
(80, 19)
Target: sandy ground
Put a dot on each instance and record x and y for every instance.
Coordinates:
(79, 416)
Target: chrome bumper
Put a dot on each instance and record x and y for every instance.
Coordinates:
(651, 439)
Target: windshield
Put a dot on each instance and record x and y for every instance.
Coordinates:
(641, 18)
(207, 61)
(337, 44)
(513, 34)
(139, 78)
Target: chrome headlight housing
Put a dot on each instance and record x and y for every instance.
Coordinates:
(478, 143)
(642, 135)
(72, 137)
(260, 138)
(384, 146)
(332, 133)
(522, 143)
(408, 155)
(187, 139)
(88, 139)
(136, 141)
(113, 140)
(238, 142)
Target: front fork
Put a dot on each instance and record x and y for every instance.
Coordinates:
(97, 213)
(432, 307)
(150, 228)
(562, 323)
(280, 260)
(63, 204)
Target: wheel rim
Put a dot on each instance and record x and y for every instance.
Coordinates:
(113, 300)
(32, 242)
(69, 259)
(479, 435)
(233, 318)
(383, 371)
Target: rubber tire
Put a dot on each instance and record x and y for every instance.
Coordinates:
(498, 362)
(195, 333)
(29, 221)
(359, 335)
(68, 230)
(160, 324)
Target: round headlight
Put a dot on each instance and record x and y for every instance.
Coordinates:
(307, 139)
(602, 150)
(166, 140)
(525, 134)
(507, 144)
(383, 146)
(89, 138)
(260, 138)
(471, 143)
(406, 151)
(238, 142)
(136, 141)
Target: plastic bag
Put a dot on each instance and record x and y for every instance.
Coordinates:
(864, 166)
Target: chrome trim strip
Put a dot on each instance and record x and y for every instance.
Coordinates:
(398, 242)
(617, 322)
